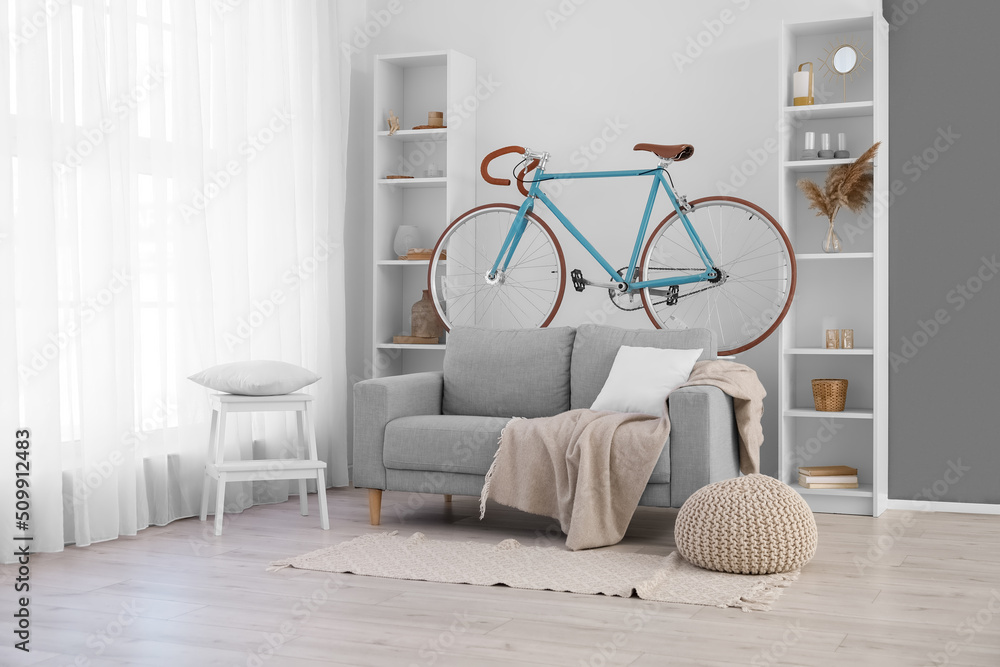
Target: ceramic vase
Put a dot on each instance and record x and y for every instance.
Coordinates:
(424, 320)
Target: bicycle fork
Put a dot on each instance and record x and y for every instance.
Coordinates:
(497, 274)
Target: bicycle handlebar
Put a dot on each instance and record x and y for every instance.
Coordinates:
(520, 177)
(484, 169)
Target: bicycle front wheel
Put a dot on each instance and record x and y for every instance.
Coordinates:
(524, 296)
(756, 266)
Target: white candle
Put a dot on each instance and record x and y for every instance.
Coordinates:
(800, 84)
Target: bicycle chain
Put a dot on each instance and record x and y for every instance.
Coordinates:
(660, 303)
(679, 296)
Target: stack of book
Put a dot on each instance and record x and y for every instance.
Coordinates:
(828, 477)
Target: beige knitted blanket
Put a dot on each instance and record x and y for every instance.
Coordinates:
(588, 469)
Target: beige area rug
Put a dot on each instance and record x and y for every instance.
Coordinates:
(594, 571)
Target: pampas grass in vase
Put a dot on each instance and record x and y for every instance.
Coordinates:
(847, 185)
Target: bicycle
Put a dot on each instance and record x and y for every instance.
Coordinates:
(718, 262)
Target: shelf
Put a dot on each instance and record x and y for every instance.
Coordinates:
(836, 110)
(416, 59)
(409, 346)
(828, 256)
(863, 491)
(416, 135)
(816, 165)
(438, 182)
(850, 413)
(823, 352)
(830, 27)
(405, 262)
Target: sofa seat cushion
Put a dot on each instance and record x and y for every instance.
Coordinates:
(442, 443)
(507, 373)
(460, 444)
(595, 348)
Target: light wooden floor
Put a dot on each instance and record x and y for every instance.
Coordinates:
(180, 596)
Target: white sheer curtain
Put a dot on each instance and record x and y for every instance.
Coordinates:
(171, 197)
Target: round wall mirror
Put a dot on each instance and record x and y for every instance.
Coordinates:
(845, 59)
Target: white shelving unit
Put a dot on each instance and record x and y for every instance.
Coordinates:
(851, 287)
(412, 84)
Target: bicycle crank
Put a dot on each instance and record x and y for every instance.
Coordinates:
(628, 300)
(580, 283)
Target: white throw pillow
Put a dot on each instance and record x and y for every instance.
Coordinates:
(255, 378)
(641, 378)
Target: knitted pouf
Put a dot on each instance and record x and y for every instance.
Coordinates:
(746, 525)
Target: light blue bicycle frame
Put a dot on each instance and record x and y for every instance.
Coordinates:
(521, 222)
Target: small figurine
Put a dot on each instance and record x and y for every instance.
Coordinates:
(393, 123)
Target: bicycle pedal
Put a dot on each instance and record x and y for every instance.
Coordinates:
(578, 282)
(673, 294)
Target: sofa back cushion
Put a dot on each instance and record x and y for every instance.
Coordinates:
(595, 348)
(507, 373)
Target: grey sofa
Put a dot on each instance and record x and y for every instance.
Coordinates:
(438, 432)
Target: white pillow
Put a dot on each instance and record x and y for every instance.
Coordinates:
(255, 378)
(641, 378)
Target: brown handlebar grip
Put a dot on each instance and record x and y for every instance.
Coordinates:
(521, 174)
(484, 169)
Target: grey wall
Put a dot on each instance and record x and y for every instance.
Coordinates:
(944, 398)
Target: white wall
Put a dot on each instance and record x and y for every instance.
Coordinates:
(572, 74)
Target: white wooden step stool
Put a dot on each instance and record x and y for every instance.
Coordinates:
(306, 467)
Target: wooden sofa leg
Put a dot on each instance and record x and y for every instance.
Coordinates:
(447, 497)
(375, 506)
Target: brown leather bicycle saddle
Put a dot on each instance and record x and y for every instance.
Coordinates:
(675, 152)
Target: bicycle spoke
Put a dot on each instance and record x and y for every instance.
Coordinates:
(524, 283)
(746, 324)
(532, 256)
(464, 266)
(755, 273)
(688, 250)
(749, 255)
(711, 225)
(476, 249)
(756, 292)
(510, 310)
(535, 306)
(740, 255)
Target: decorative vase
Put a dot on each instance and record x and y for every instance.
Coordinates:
(831, 243)
(407, 236)
(424, 320)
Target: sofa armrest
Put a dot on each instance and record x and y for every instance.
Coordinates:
(704, 443)
(376, 403)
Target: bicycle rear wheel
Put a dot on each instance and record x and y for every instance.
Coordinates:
(526, 295)
(755, 261)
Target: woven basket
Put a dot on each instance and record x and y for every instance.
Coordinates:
(829, 395)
